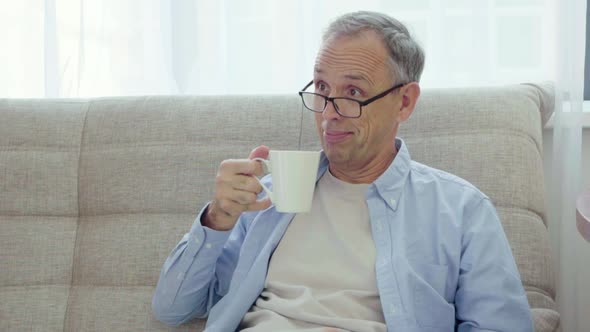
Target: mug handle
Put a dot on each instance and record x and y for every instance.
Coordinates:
(265, 168)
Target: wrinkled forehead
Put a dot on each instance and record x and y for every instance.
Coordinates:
(361, 55)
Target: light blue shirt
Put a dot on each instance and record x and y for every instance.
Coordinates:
(442, 259)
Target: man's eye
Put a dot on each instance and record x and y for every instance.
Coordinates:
(321, 88)
(354, 92)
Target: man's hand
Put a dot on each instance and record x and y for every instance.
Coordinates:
(236, 190)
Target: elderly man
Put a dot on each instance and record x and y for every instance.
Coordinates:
(389, 244)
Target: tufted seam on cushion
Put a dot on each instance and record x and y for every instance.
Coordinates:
(38, 215)
(135, 146)
(523, 211)
(78, 221)
(466, 132)
(133, 213)
(537, 290)
(53, 149)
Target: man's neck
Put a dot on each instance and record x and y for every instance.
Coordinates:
(367, 173)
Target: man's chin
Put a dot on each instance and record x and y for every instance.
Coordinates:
(336, 155)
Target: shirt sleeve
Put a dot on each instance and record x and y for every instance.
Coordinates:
(197, 272)
(490, 295)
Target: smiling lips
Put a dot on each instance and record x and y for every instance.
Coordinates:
(332, 136)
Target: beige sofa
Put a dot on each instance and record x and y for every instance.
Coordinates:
(95, 193)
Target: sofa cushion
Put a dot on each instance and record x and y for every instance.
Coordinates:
(33, 308)
(116, 309)
(39, 156)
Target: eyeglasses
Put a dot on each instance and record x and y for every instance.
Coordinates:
(346, 107)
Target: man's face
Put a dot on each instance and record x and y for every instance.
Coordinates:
(356, 67)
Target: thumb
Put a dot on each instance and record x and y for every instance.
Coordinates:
(259, 152)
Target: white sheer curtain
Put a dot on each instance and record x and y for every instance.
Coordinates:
(78, 48)
(571, 251)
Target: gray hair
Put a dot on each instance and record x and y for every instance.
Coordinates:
(406, 55)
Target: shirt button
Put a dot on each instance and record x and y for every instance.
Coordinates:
(392, 309)
(379, 226)
(208, 245)
(392, 201)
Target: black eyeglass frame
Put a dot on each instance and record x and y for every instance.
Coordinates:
(331, 99)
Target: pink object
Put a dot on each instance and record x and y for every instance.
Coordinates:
(583, 215)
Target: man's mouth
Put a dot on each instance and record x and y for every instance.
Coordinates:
(333, 136)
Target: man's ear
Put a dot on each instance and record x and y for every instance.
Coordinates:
(410, 93)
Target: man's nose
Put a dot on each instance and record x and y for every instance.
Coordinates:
(330, 112)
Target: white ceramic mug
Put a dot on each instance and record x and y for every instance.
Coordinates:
(293, 179)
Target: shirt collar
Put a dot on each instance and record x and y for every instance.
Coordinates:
(391, 183)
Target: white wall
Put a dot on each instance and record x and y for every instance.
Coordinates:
(583, 295)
